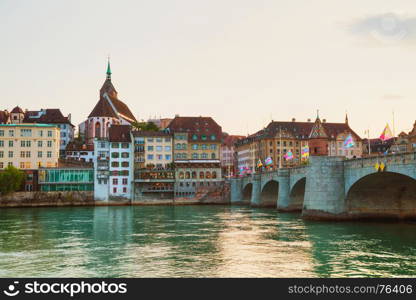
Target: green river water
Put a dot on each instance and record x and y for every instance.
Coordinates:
(197, 241)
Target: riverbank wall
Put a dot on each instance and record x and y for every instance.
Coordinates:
(86, 198)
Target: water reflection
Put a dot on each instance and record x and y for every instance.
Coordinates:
(197, 241)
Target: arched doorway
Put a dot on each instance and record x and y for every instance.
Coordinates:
(269, 194)
(97, 130)
(248, 189)
(383, 195)
(296, 196)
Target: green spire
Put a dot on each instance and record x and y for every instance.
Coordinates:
(108, 69)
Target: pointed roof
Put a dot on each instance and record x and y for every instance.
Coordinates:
(17, 110)
(109, 105)
(318, 130)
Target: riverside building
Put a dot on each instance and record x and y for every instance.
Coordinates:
(113, 164)
(196, 154)
(154, 174)
(29, 146)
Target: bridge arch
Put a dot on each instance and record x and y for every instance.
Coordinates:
(247, 193)
(382, 195)
(269, 194)
(297, 195)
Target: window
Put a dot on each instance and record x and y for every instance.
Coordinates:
(168, 148)
(124, 181)
(201, 175)
(193, 175)
(204, 155)
(212, 155)
(115, 155)
(1, 143)
(40, 154)
(124, 190)
(213, 147)
(49, 133)
(11, 132)
(26, 132)
(27, 153)
(125, 155)
(22, 165)
(114, 145)
(1, 132)
(22, 154)
(124, 145)
(159, 157)
(115, 181)
(10, 143)
(168, 157)
(114, 190)
(150, 156)
(39, 143)
(40, 133)
(167, 139)
(208, 175)
(213, 137)
(125, 164)
(1, 165)
(49, 154)
(10, 154)
(214, 174)
(195, 155)
(183, 146)
(158, 140)
(49, 143)
(194, 146)
(159, 148)
(187, 175)
(150, 140)
(149, 148)
(1, 154)
(204, 147)
(27, 165)
(181, 175)
(204, 137)
(115, 164)
(194, 137)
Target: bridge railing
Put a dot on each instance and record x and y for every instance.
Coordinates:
(398, 158)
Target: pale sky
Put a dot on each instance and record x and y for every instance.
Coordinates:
(241, 62)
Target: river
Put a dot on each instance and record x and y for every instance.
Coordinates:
(197, 241)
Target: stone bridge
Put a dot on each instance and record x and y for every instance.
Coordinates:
(335, 188)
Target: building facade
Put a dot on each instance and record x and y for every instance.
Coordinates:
(113, 164)
(29, 146)
(154, 175)
(196, 152)
(66, 179)
(276, 141)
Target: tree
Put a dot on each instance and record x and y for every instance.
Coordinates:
(145, 126)
(11, 179)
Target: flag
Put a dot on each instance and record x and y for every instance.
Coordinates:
(305, 152)
(386, 134)
(349, 142)
(268, 161)
(259, 164)
(288, 155)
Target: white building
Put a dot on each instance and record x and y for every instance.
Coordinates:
(114, 165)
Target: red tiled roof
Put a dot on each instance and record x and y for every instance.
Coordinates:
(77, 146)
(119, 133)
(17, 109)
(4, 117)
(105, 109)
(230, 140)
(51, 116)
(198, 126)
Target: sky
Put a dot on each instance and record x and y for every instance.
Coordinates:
(242, 62)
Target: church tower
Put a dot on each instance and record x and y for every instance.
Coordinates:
(318, 139)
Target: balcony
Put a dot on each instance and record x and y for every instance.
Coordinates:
(165, 175)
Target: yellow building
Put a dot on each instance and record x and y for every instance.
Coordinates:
(29, 146)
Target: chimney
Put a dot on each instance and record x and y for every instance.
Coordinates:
(309, 120)
(293, 120)
(323, 120)
(69, 117)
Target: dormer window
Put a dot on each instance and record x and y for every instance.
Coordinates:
(194, 137)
